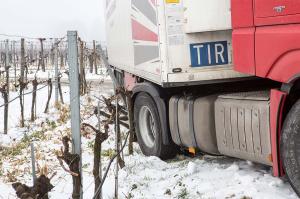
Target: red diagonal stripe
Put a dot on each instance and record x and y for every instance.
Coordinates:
(140, 32)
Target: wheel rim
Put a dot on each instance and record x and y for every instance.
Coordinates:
(147, 126)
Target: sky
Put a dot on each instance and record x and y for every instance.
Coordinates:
(52, 18)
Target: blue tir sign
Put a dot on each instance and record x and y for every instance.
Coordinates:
(209, 54)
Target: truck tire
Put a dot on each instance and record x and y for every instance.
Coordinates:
(290, 147)
(148, 128)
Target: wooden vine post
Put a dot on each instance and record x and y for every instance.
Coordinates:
(60, 90)
(4, 93)
(50, 87)
(21, 81)
(83, 85)
(33, 104)
(117, 138)
(5, 89)
(14, 62)
(95, 56)
(42, 61)
(7, 66)
(131, 127)
(61, 55)
(91, 62)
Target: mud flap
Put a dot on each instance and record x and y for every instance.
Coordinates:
(277, 102)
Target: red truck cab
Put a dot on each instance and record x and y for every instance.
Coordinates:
(266, 43)
(266, 38)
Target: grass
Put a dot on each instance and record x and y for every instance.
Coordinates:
(23, 144)
(64, 115)
(183, 194)
(90, 144)
(147, 178)
(85, 166)
(51, 124)
(108, 153)
(27, 139)
(168, 192)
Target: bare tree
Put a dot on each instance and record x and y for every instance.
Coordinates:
(73, 161)
(40, 189)
(99, 139)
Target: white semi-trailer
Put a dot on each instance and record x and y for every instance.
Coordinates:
(152, 40)
(217, 76)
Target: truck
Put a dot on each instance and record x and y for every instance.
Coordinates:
(221, 77)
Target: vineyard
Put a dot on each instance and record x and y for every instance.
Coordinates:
(57, 144)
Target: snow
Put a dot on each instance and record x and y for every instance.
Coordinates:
(191, 168)
(211, 178)
(50, 73)
(143, 177)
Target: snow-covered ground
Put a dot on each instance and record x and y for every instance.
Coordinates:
(143, 177)
(50, 73)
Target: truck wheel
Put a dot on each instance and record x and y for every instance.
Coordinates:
(290, 147)
(148, 128)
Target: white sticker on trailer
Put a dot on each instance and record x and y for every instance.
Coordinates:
(174, 9)
(174, 19)
(175, 26)
(175, 40)
(175, 29)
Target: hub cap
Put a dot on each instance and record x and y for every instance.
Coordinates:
(147, 126)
